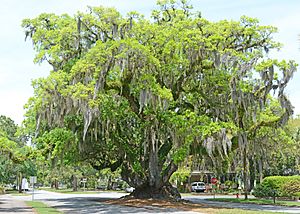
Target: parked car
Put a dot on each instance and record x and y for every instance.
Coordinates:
(198, 187)
(101, 187)
(129, 189)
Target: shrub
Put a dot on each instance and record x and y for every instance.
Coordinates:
(297, 194)
(292, 188)
(2, 190)
(230, 184)
(263, 191)
(282, 186)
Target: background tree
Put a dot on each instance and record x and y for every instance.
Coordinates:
(16, 160)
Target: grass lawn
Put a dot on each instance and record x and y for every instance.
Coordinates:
(19, 194)
(234, 211)
(41, 208)
(16, 193)
(258, 201)
(80, 191)
(68, 191)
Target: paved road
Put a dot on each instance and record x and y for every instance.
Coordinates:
(8, 204)
(92, 203)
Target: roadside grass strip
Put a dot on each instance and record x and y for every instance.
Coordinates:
(42, 208)
(69, 191)
(239, 211)
(258, 201)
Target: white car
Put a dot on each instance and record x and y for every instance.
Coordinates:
(198, 187)
(129, 189)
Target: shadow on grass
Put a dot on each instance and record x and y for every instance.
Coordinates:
(103, 205)
(108, 205)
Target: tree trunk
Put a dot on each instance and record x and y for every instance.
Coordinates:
(245, 167)
(154, 169)
(162, 191)
(56, 184)
(252, 171)
(160, 188)
(109, 183)
(166, 191)
(260, 169)
(20, 182)
(75, 187)
(153, 180)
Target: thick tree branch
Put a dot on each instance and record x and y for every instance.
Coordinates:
(172, 167)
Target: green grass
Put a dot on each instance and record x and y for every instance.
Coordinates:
(41, 208)
(16, 193)
(258, 201)
(10, 191)
(239, 211)
(68, 191)
(19, 194)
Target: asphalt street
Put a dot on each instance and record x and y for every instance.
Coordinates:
(93, 203)
(9, 204)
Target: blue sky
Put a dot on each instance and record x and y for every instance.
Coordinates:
(16, 56)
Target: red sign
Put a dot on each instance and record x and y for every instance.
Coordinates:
(214, 180)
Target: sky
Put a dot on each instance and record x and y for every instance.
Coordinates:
(17, 69)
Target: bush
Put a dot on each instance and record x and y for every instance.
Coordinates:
(292, 188)
(2, 190)
(230, 184)
(263, 191)
(282, 186)
(297, 194)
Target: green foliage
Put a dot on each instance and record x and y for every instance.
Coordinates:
(281, 186)
(230, 184)
(8, 126)
(292, 187)
(144, 94)
(15, 157)
(58, 142)
(180, 176)
(2, 190)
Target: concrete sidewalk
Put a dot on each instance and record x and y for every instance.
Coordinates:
(9, 204)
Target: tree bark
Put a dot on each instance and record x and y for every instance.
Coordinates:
(154, 170)
(252, 171)
(155, 185)
(56, 184)
(260, 169)
(166, 191)
(109, 184)
(74, 183)
(153, 181)
(245, 167)
(20, 182)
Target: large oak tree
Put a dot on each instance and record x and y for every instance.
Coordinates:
(142, 94)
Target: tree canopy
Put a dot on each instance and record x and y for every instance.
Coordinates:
(142, 94)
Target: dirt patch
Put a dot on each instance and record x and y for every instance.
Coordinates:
(148, 203)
